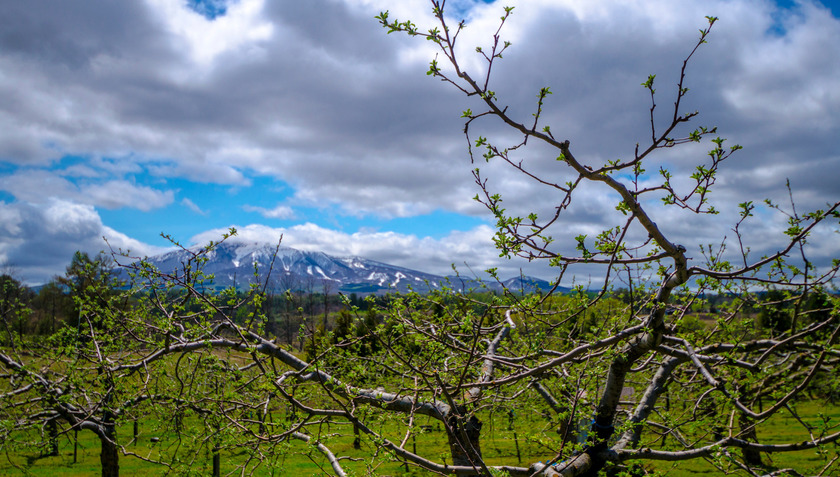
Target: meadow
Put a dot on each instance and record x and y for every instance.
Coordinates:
(502, 444)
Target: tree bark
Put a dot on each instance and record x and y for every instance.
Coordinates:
(109, 455)
(752, 457)
(52, 427)
(357, 442)
(464, 441)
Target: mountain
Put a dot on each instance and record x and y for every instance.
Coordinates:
(232, 263)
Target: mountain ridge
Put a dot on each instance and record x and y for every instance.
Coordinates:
(232, 263)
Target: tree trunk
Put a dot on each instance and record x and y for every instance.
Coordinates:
(109, 453)
(464, 441)
(751, 457)
(52, 427)
(357, 442)
(179, 421)
(109, 456)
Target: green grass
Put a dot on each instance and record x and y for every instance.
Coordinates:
(498, 446)
(782, 428)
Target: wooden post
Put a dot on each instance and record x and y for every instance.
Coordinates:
(516, 441)
(357, 443)
(405, 462)
(515, 437)
(217, 462)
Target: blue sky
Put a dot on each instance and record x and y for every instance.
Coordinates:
(128, 119)
(210, 9)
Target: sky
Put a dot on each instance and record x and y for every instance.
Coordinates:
(129, 119)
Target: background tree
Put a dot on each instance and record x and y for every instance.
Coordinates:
(51, 306)
(75, 378)
(14, 308)
(90, 282)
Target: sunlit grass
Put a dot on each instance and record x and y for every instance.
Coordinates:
(498, 445)
(783, 427)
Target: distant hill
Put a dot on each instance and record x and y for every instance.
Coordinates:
(232, 264)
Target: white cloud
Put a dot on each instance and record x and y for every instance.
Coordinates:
(41, 186)
(74, 221)
(11, 220)
(785, 80)
(38, 186)
(192, 206)
(242, 29)
(279, 212)
(39, 240)
(199, 171)
(119, 194)
(473, 248)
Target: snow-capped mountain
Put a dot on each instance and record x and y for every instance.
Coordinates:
(234, 263)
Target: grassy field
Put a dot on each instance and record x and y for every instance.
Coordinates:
(783, 428)
(498, 445)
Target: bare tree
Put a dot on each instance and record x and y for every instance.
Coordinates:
(730, 363)
(70, 377)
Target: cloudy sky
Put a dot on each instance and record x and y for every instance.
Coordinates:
(127, 119)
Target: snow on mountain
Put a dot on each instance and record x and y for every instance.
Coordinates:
(233, 263)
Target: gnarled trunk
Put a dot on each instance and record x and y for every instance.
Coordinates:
(464, 440)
